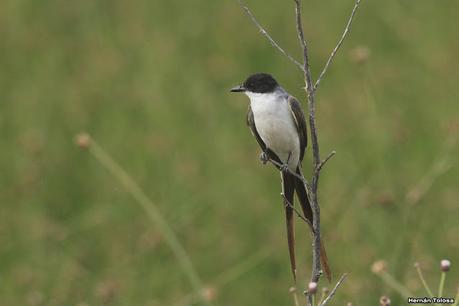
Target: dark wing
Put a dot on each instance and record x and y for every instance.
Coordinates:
(300, 121)
(253, 129)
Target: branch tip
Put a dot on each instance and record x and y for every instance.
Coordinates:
(268, 37)
(332, 293)
(340, 42)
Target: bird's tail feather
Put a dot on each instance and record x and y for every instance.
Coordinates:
(324, 261)
(288, 191)
(302, 194)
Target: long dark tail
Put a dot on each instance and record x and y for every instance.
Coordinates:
(288, 190)
(307, 211)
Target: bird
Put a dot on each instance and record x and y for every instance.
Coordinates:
(278, 123)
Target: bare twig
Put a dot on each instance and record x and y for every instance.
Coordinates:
(298, 213)
(266, 34)
(332, 293)
(279, 165)
(340, 42)
(322, 163)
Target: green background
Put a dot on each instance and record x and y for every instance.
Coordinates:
(149, 81)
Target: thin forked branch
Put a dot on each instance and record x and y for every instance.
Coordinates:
(340, 42)
(279, 165)
(332, 293)
(322, 163)
(288, 204)
(266, 34)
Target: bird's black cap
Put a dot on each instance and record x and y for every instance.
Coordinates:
(258, 82)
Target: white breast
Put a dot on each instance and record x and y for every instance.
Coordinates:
(275, 125)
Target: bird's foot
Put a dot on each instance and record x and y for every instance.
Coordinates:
(264, 158)
(284, 168)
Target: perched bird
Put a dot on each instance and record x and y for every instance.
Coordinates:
(277, 121)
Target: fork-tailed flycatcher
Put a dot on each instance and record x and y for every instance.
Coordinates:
(277, 121)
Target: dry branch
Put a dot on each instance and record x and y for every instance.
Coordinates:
(322, 163)
(279, 165)
(316, 267)
(288, 204)
(266, 34)
(332, 293)
(318, 164)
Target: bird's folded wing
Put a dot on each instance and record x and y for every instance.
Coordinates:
(300, 122)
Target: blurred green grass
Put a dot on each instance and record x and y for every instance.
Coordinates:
(149, 80)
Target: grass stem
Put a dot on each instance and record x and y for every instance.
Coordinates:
(424, 283)
(441, 286)
(394, 284)
(153, 213)
(456, 299)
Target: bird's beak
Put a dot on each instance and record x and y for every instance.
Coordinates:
(238, 88)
